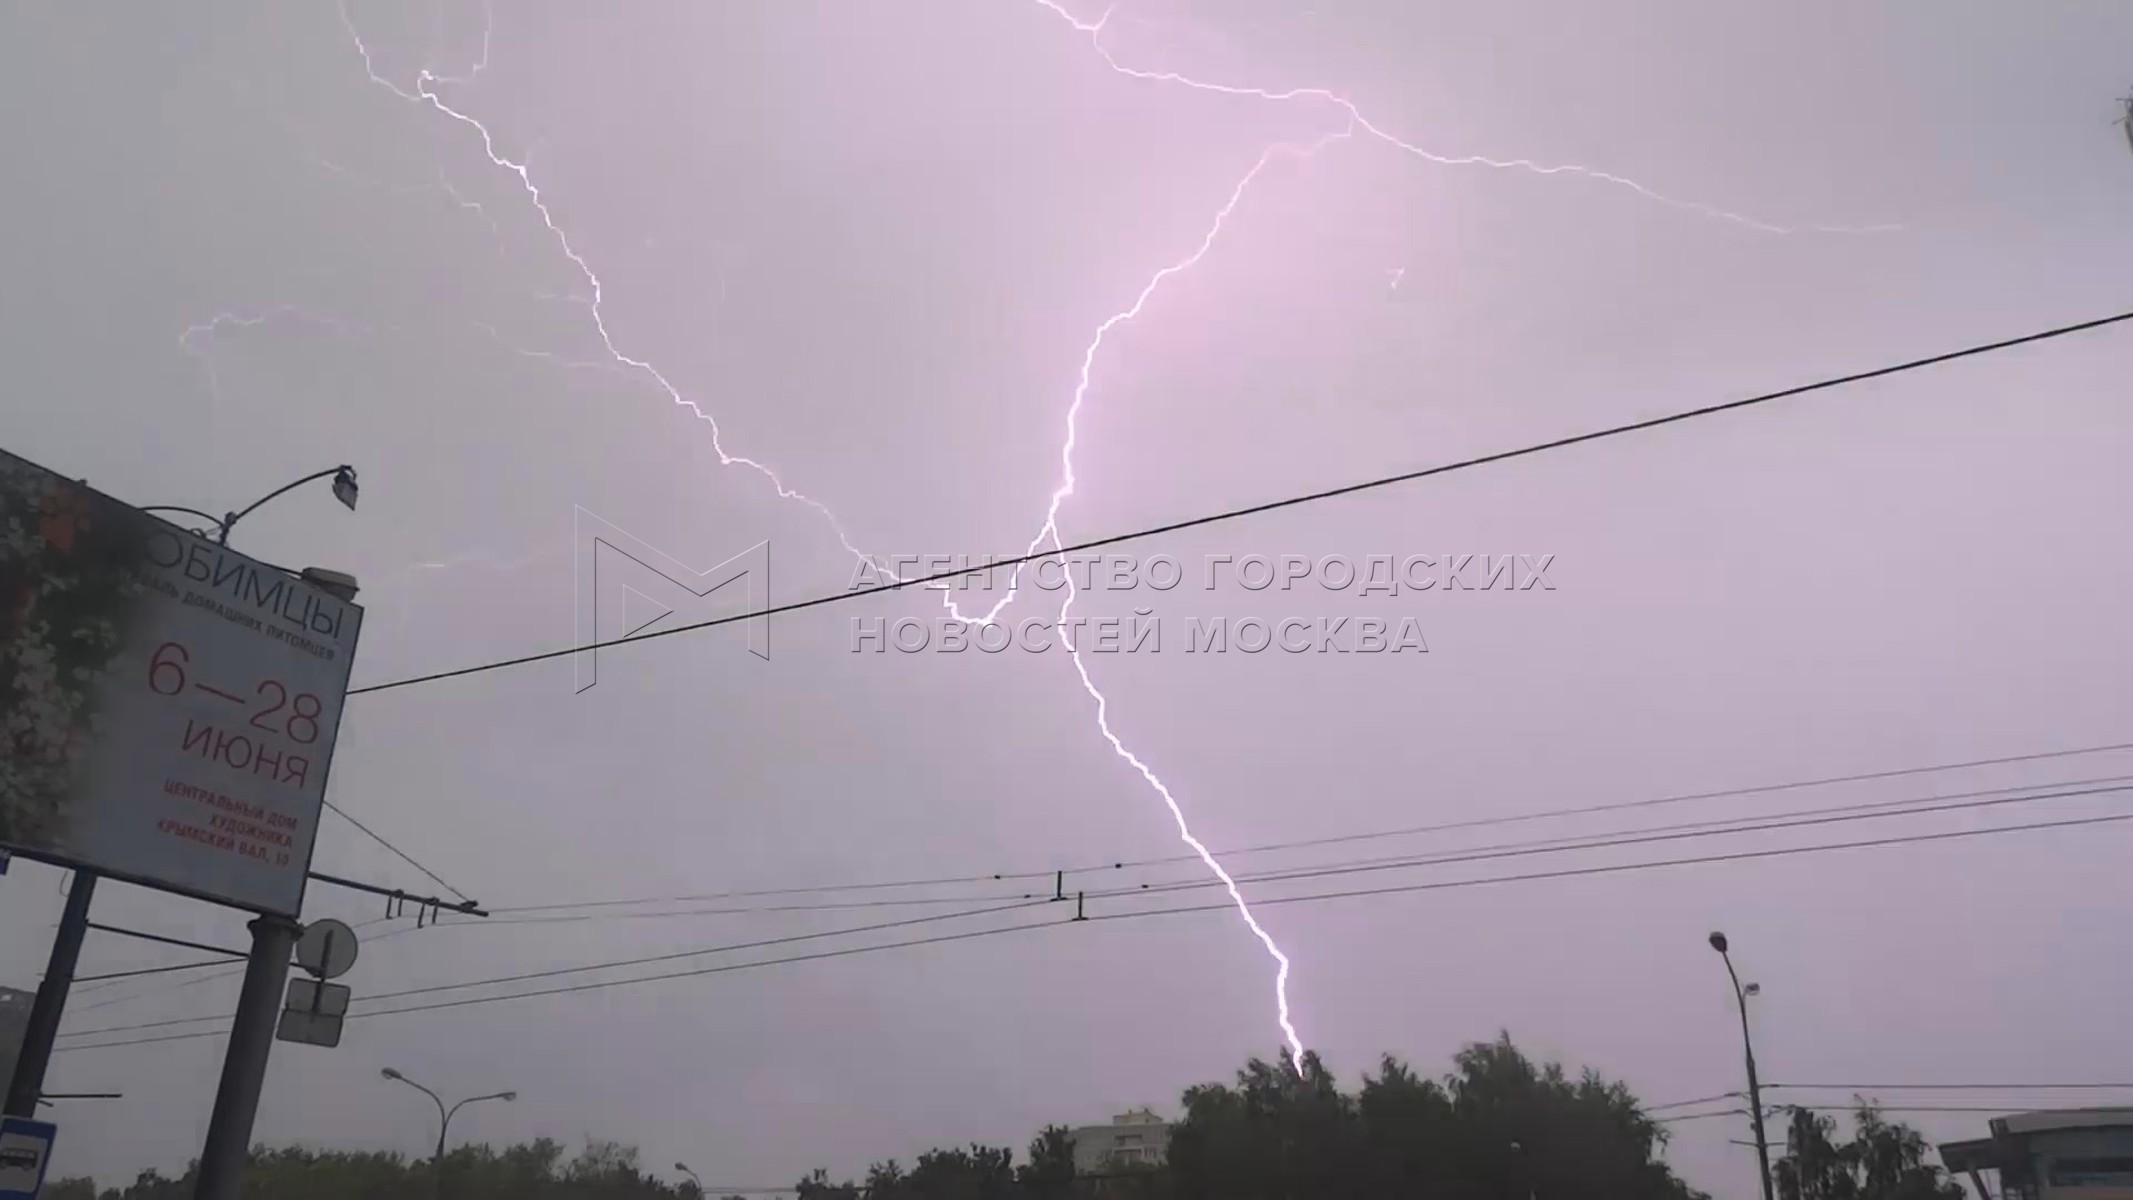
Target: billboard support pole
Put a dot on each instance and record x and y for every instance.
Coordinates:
(244, 1066)
(27, 1084)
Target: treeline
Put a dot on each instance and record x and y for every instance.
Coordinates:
(1497, 1127)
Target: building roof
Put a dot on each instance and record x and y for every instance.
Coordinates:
(2008, 1132)
(2059, 1120)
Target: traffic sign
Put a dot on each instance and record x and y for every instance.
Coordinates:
(25, 1149)
(313, 1013)
(327, 949)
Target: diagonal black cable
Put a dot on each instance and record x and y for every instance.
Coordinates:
(405, 857)
(1291, 502)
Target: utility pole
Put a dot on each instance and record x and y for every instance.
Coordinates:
(1755, 1087)
(266, 970)
(244, 1065)
(27, 1085)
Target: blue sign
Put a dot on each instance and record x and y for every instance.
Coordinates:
(25, 1148)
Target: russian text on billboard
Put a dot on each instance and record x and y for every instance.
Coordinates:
(167, 705)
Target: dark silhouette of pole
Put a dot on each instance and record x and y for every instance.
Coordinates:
(244, 1064)
(1755, 1087)
(26, 1086)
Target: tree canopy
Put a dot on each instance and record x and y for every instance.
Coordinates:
(1882, 1161)
(1497, 1126)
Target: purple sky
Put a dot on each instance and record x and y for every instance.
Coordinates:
(874, 243)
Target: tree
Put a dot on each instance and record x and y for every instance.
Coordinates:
(1498, 1128)
(1049, 1173)
(1882, 1161)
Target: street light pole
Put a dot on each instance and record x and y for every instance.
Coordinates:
(344, 490)
(684, 1169)
(244, 1063)
(444, 1122)
(1755, 1087)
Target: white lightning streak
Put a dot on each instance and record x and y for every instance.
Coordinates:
(1048, 533)
(1051, 532)
(423, 95)
(188, 343)
(1095, 32)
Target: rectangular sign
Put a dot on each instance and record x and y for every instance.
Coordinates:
(318, 999)
(309, 1028)
(168, 706)
(25, 1150)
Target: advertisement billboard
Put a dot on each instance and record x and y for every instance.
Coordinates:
(167, 706)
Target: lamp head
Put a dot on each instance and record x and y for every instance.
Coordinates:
(344, 487)
(507, 1097)
(1718, 941)
(1753, 989)
(389, 1073)
(338, 584)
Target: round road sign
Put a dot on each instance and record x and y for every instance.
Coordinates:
(327, 949)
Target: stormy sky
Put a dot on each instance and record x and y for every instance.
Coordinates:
(874, 242)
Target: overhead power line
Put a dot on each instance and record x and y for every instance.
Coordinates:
(1913, 806)
(1306, 843)
(1672, 1104)
(1872, 810)
(1634, 838)
(1011, 904)
(404, 856)
(1731, 1112)
(1233, 514)
(1949, 1087)
(1025, 927)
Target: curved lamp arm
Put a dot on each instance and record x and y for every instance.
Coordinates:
(476, 1099)
(397, 1077)
(339, 474)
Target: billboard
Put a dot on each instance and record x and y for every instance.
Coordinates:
(167, 706)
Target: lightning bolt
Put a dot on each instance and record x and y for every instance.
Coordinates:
(196, 339)
(424, 93)
(1094, 31)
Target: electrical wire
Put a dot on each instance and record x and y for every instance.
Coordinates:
(1485, 854)
(405, 857)
(1948, 1087)
(1731, 1112)
(616, 964)
(1634, 838)
(1619, 868)
(1873, 810)
(1973, 351)
(1269, 847)
(1652, 1108)
(1024, 927)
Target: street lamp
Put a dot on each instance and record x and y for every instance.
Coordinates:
(1755, 1088)
(344, 490)
(444, 1120)
(684, 1169)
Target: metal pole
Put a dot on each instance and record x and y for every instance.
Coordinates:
(27, 1084)
(1755, 1088)
(437, 1163)
(244, 1065)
